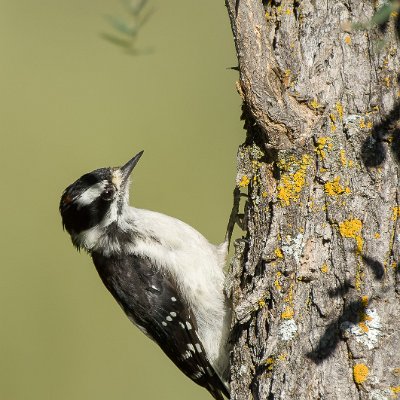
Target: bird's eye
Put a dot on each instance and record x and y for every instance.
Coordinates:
(108, 193)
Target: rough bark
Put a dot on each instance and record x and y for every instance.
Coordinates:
(316, 281)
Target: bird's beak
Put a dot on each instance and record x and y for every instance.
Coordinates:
(128, 168)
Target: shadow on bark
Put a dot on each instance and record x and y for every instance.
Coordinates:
(340, 290)
(330, 339)
(376, 266)
(374, 148)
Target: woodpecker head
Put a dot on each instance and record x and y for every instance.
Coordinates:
(96, 200)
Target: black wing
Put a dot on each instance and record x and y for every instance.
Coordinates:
(153, 302)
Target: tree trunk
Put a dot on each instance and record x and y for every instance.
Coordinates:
(316, 282)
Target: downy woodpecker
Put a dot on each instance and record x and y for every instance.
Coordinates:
(164, 274)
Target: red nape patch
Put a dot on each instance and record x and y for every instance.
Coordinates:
(67, 200)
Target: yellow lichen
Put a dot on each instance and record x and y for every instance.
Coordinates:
(261, 303)
(396, 213)
(343, 158)
(323, 143)
(276, 282)
(377, 235)
(291, 183)
(270, 363)
(360, 373)
(278, 252)
(395, 389)
(244, 181)
(358, 277)
(324, 268)
(314, 104)
(287, 313)
(347, 39)
(334, 188)
(364, 301)
(362, 123)
(264, 194)
(282, 357)
(339, 109)
(352, 229)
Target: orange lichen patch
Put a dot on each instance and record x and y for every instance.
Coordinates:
(363, 316)
(347, 39)
(324, 268)
(244, 181)
(334, 188)
(352, 229)
(339, 109)
(292, 183)
(287, 313)
(362, 123)
(278, 252)
(364, 301)
(360, 373)
(377, 235)
(396, 213)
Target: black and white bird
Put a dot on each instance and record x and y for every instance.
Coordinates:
(164, 274)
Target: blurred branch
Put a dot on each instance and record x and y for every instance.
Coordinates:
(127, 29)
(389, 9)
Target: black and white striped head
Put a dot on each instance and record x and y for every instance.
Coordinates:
(97, 198)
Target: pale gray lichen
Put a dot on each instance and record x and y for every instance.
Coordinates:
(365, 332)
(293, 246)
(287, 329)
(381, 394)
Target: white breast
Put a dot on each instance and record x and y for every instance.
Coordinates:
(197, 267)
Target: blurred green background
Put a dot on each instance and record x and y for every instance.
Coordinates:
(72, 102)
